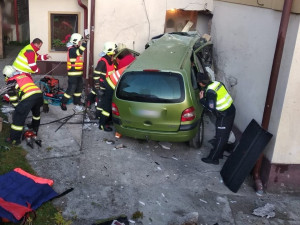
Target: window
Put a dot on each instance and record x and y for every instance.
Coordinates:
(62, 27)
(155, 87)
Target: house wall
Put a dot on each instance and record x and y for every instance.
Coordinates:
(244, 48)
(40, 22)
(135, 22)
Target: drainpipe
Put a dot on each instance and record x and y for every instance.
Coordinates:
(16, 19)
(85, 20)
(92, 35)
(272, 85)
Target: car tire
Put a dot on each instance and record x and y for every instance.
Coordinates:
(196, 142)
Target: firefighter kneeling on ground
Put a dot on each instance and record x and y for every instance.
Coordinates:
(25, 96)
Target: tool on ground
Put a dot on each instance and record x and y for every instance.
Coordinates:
(31, 138)
(6, 88)
(51, 90)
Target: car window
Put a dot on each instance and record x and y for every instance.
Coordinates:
(151, 86)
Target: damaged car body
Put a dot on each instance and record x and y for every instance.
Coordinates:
(157, 97)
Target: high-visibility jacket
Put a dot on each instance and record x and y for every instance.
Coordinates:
(25, 87)
(224, 100)
(110, 69)
(114, 78)
(75, 65)
(21, 62)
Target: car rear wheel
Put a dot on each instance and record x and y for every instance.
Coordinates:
(197, 141)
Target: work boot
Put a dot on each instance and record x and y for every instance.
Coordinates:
(12, 142)
(105, 128)
(63, 107)
(210, 160)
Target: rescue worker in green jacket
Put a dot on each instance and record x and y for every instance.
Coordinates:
(25, 96)
(27, 57)
(76, 47)
(215, 98)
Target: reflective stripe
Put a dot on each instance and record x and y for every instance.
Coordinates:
(30, 93)
(93, 92)
(75, 73)
(111, 84)
(98, 108)
(96, 78)
(17, 128)
(103, 73)
(36, 118)
(97, 72)
(77, 94)
(32, 64)
(82, 48)
(66, 95)
(105, 113)
(14, 104)
(13, 98)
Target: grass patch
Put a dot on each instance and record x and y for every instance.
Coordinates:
(13, 158)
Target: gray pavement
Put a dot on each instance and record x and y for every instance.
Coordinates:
(113, 176)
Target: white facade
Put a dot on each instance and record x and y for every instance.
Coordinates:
(244, 45)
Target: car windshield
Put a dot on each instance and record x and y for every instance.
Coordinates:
(151, 86)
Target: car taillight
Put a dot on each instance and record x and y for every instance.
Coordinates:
(114, 109)
(188, 114)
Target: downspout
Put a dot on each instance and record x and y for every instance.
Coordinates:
(16, 20)
(286, 11)
(85, 20)
(92, 36)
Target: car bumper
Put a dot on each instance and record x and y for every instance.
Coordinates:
(182, 135)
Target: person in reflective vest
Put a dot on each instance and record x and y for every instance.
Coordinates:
(25, 96)
(105, 68)
(216, 99)
(76, 47)
(27, 57)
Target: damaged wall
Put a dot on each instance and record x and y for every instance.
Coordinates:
(244, 46)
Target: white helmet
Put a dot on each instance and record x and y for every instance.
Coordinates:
(75, 38)
(109, 48)
(8, 71)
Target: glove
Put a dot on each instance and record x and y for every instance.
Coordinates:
(45, 108)
(6, 98)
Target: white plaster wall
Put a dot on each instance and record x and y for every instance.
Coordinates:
(244, 46)
(39, 22)
(288, 145)
(135, 22)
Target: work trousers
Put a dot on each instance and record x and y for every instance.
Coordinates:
(33, 104)
(224, 123)
(75, 87)
(104, 106)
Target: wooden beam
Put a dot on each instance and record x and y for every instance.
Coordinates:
(1, 35)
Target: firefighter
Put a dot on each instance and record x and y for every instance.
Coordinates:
(25, 96)
(216, 99)
(76, 47)
(27, 57)
(102, 87)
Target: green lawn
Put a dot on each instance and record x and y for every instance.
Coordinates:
(47, 214)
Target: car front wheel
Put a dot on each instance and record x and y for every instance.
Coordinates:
(196, 142)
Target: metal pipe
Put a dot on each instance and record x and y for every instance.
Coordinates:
(92, 36)
(286, 11)
(16, 20)
(85, 21)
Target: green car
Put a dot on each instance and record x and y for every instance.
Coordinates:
(157, 97)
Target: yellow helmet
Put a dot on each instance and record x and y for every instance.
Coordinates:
(75, 38)
(109, 48)
(8, 71)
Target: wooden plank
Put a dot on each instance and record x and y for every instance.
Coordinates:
(1, 35)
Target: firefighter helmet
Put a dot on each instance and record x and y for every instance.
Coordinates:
(109, 48)
(8, 71)
(75, 38)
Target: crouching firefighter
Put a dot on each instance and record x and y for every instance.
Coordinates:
(25, 96)
(216, 99)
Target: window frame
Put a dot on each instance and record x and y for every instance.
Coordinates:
(50, 14)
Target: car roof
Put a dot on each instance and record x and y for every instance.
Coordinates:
(166, 52)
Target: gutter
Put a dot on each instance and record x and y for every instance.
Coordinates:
(16, 19)
(85, 20)
(286, 11)
(92, 35)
